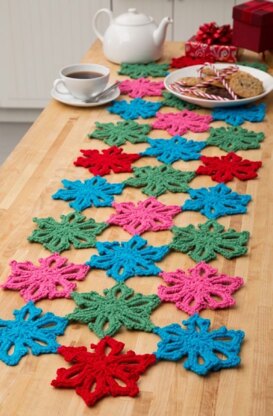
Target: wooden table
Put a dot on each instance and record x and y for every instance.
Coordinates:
(28, 179)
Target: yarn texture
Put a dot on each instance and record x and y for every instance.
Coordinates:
(255, 64)
(197, 340)
(147, 215)
(158, 180)
(182, 122)
(122, 260)
(171, 100)
(100, 373)
(141, 87)
(201, 287)
(137, 108)
(52, 279)
(30, 331)
(184, 61)
(216, 201)
(208, 240)
(238, 115)
(108, 160)
(171, 150)
(151, 69)
(120, 306)
(225, 168)
(121, 132)
(95, 192)
(73, 229)
(234, 138)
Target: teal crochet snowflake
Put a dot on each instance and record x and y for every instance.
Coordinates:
(205, 350)
(151, 69)
(131, 110)
(92, 192)
(122, 260)
(254, 64)
(238, 115)
(29, 331)
(207, 240)
(216, 201)
(177, 148)
(171, 100)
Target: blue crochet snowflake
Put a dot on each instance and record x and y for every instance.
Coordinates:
(128, 258)
(135, 108)
(199, 345)
(216, 201)
(176, 148)
(238, 115)
(95, 192)
(29, 331)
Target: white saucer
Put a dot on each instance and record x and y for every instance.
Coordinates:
(70, 100)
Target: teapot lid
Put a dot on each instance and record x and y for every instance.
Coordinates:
(133, 18)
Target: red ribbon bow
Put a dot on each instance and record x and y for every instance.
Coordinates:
(212, 34)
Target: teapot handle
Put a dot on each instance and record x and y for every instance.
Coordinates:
(95, 18)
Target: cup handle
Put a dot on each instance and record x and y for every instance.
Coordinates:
(58, 82)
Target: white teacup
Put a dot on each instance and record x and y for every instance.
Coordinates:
(82, 80)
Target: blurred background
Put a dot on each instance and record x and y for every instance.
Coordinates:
(41, 36)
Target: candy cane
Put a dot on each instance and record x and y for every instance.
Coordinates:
(221, 75)
(195, 91)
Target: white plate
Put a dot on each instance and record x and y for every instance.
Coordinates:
(70, 100)
(192, 71)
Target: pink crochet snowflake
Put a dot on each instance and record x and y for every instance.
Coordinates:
(180, 123)
(202, 288)
(141, 87)
(148, 215)
(51, 279)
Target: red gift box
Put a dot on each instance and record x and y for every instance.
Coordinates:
(253, 25)
(222, 53)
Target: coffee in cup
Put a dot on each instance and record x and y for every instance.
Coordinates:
(82, 80)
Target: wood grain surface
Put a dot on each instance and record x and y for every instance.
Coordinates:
(28, 179)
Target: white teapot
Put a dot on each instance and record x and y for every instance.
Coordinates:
(132, 37)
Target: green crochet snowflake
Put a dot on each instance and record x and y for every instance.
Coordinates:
(73, 229)
(171, 100)
(157, 180)
(117, 134)
(203, 243)
(144, 70)
(255, 64)
(233, 138)
(120, 306)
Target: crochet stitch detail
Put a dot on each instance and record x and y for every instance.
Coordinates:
(171, 100)
(216, 201)
(111, 159)
(122, 260)
(234, 138)
(225, 168)
(180, 123)
(171, 150)
(237, 116)
(141, 87)
(29, 331)
(159, 179)
(137, 108)
(52, 279)
(196, 341)
(73, 229)
(148, 215)
(98, 374)
(151, 69)
(201, 287)
(117, 134)
(208, 240)
(255, 64)
(95, 192)
(120, 306)
(184, 61)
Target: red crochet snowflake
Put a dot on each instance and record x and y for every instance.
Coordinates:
(180, 123)
(109, 159)
(225, 168)
(183, 61)
(95, 375)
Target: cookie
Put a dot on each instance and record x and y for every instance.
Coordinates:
(220, 92)
(190, 81)
(245, 85)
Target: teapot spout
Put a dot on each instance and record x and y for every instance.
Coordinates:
(160, 33)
